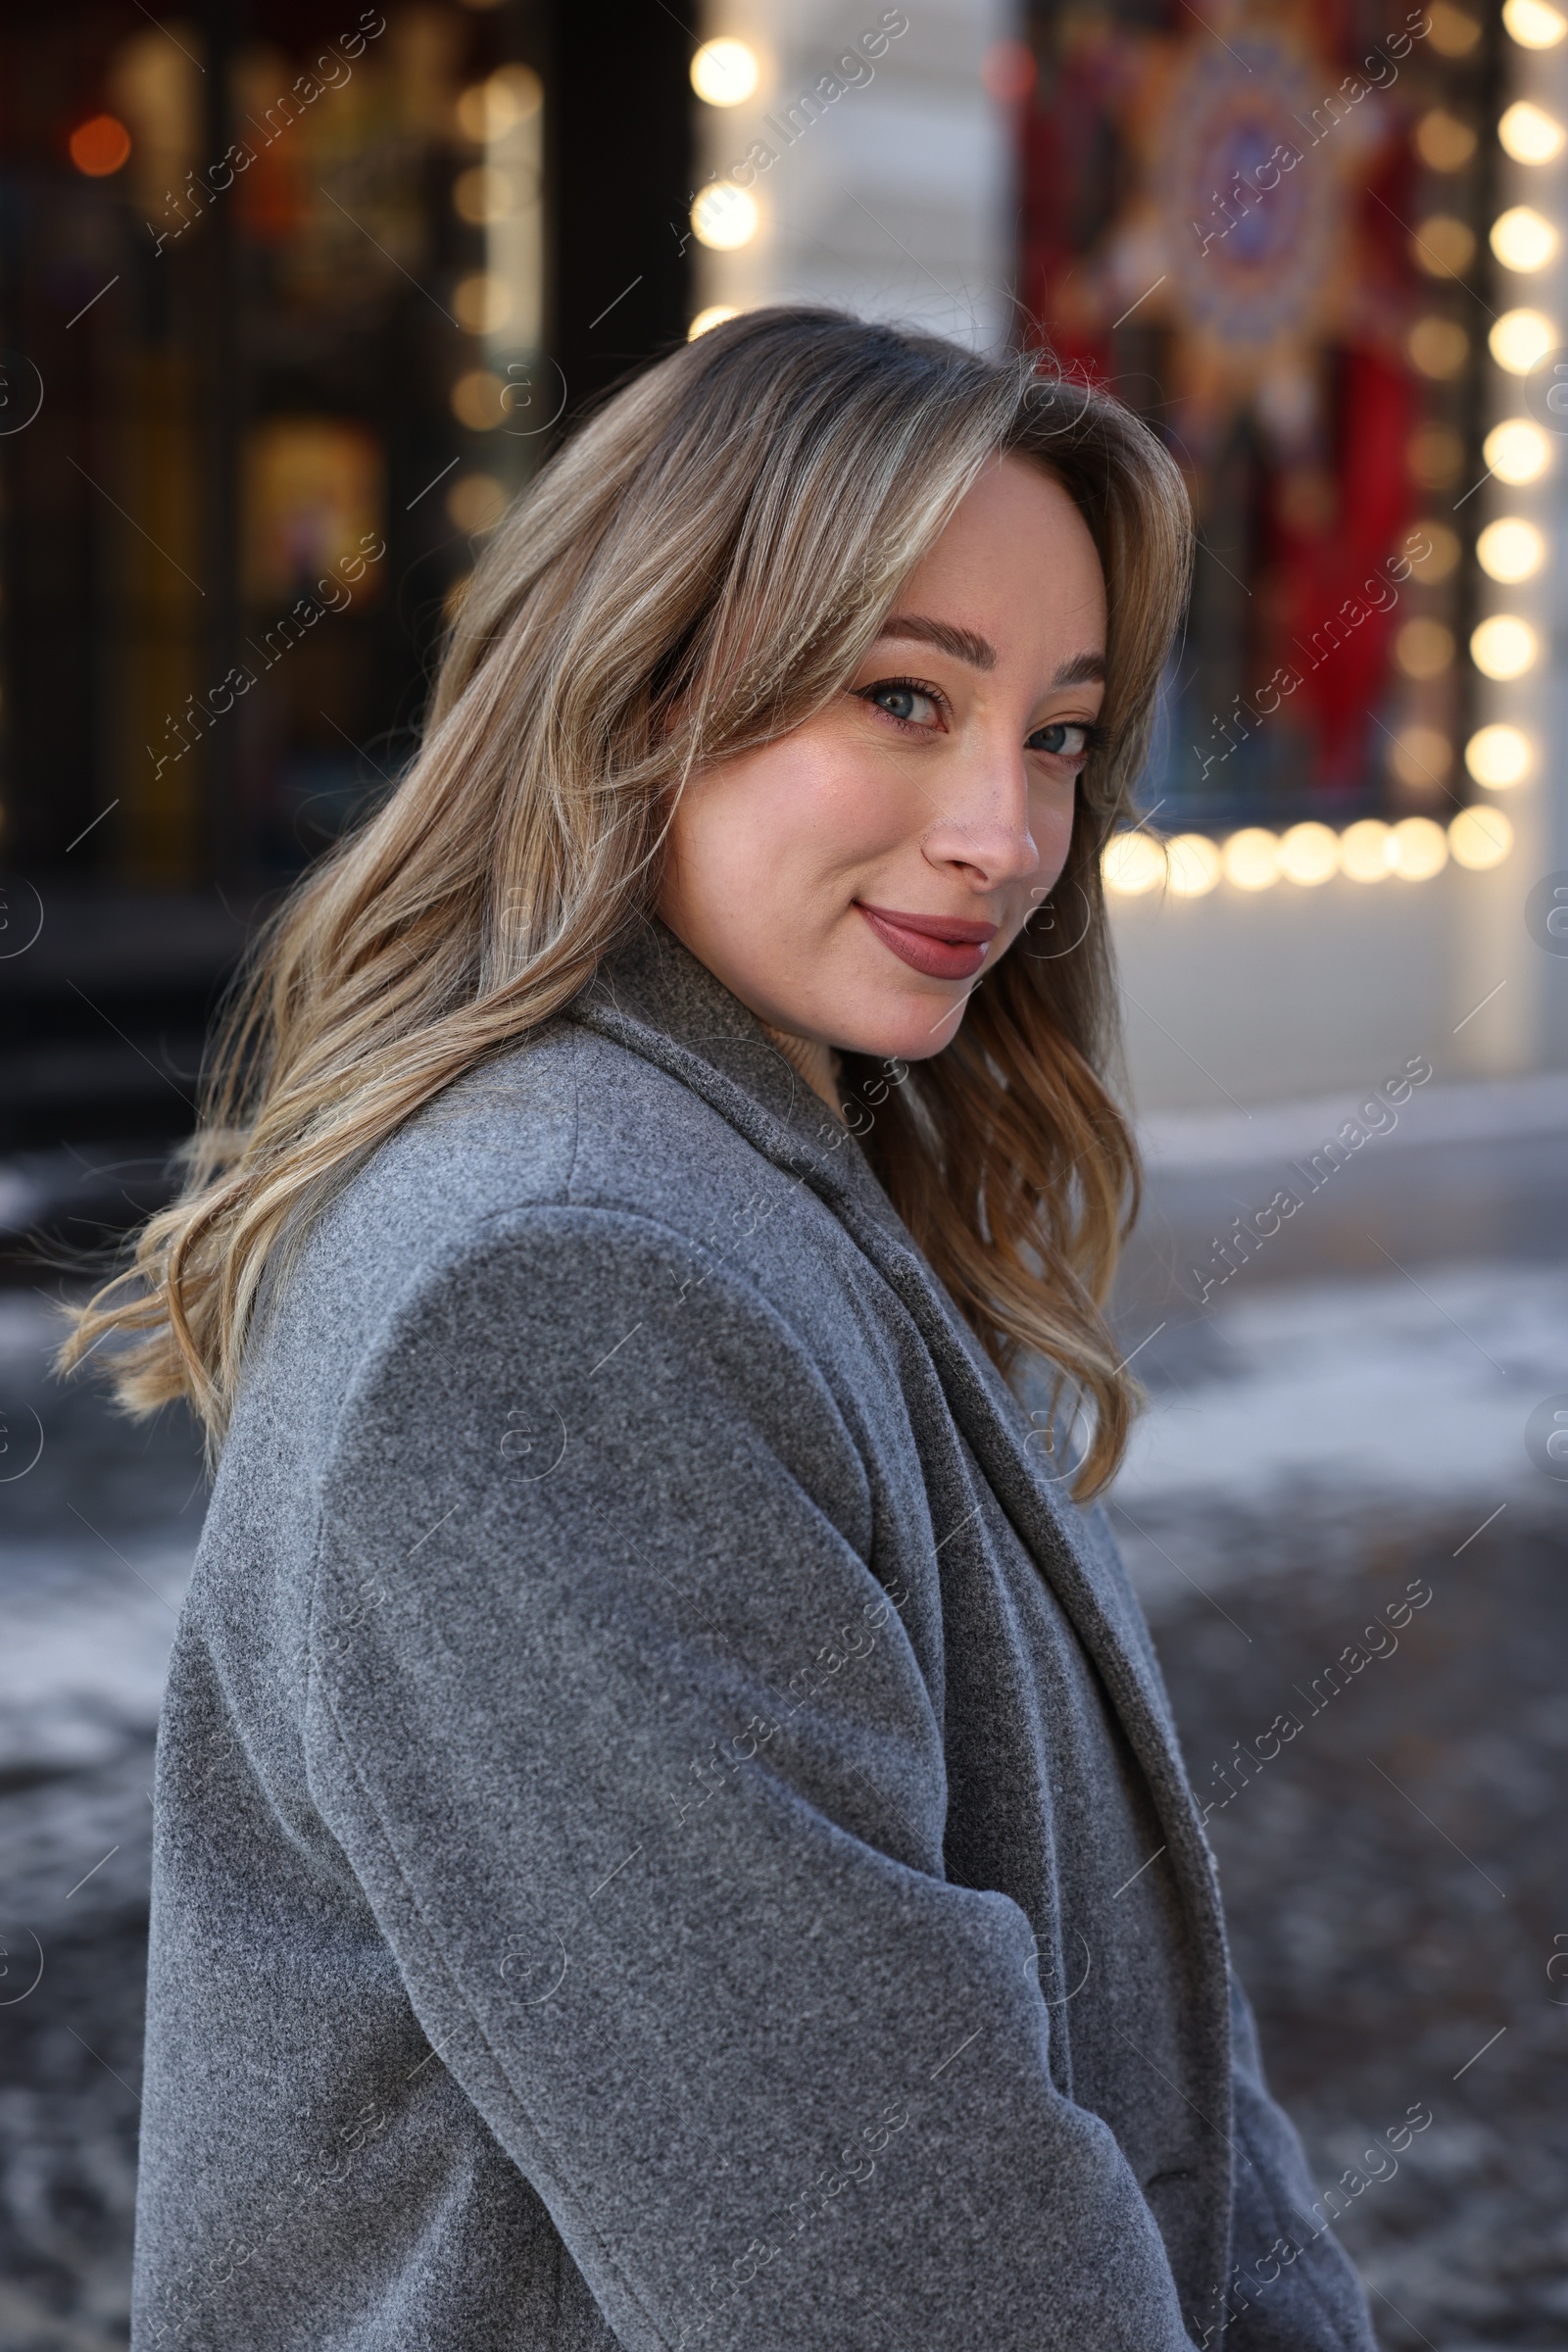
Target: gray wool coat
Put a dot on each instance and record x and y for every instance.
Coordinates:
(669, 1832)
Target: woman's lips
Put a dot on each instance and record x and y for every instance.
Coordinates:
(941, 946)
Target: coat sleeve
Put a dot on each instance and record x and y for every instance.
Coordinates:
(1293, 2290)
(630, 1752)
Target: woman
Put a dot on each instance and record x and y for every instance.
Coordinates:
(669, 1832)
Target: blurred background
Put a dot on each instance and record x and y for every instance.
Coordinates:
(293, 299)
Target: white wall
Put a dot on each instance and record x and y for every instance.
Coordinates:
(899, 201)
(1257, 996)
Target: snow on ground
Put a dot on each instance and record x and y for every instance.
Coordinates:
(1417, 1385)
(87, 1648)
(1304, 1421)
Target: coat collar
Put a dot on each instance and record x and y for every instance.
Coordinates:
(653, 996)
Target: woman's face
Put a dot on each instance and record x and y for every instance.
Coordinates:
(851, 881)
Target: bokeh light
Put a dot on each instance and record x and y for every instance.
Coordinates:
(1251, 857)
(715, 316)
(1420, 755)
(1194, 862)
(1309, 853)
(1533, 25)
(1009, 72)
(1503, 647)
(1443, 142)
(1438, 347)
(1480, 838)
(1452, 31)
(1510, 549)
(476, 502)
(1442, 552)
(724, 216)
(1499, 756)
(1365, 849)
(1530, 134)
(1417, 849)
(1523, 239)
(725, 73)
(482, 194)
(1519, 339)
(1424, 648)
(1516, 451)
(489, 109)
(477, 400)
(100, 146)
(1444, 246)
(481, 304)
(1133, 864)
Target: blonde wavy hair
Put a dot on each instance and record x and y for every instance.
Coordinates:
(697, 572)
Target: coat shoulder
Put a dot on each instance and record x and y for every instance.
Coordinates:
(567, 1120)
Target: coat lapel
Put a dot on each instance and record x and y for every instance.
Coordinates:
(656, 998)
(653, 996)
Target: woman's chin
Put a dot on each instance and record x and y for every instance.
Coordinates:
(911, 1027)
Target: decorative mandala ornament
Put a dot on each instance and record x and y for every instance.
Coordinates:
(1253, 211)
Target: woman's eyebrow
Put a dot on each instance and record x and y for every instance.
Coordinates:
(962, 643)
(1084, 669)
(965, 645)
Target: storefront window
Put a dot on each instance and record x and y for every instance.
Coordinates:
(1265, 228)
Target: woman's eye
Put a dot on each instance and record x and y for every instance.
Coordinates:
(1065, 738)
(910, 704)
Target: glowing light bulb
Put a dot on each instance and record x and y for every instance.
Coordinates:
(1452, 31)
(477, 400)
(1443, 142)
(1444, 246)
(1533, 25)
(1424, 648)
(715, 316)
(99, 146)
(1499, 757)
(1510, 549)
(484, 194)
(725, 73)
(1503, 647)
(1530, 134)
(1516, 451)
(1418, 849)
(476, 502)
(1194, 864)
(488, 110)
(724, 216)
(1523, 239)
(1439, 347)
(1309, 853)
(1251, 857)
(1133, 864)
(1480, 838)
(1364, 851)
(482, 304)
(1420, 757)
(1442, 552)
(1520, 338)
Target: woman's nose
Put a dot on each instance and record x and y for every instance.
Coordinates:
(983, 824)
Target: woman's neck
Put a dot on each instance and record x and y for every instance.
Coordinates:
(816, 1064)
